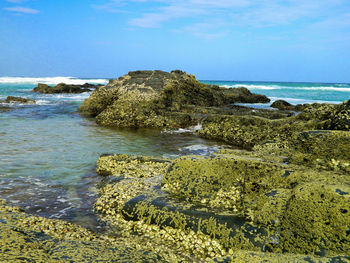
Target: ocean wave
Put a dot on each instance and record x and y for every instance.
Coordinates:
(50, 80)
(325, 88)
(295, 101)
(65, 96)
(263, 87)
(336, 87)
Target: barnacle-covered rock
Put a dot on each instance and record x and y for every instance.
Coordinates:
(26, 238)
(214, 206)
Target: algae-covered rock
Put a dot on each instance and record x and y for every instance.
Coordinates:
(282, 105)
(329, 116)
(159, 99)
(64, 88)
(213, 207)
(12, 99)
(328, 150)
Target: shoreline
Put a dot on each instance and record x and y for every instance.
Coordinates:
(181, 204)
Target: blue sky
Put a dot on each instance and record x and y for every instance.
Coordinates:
(277, 40)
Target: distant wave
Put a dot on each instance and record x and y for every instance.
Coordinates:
(336, 87)
(65, 96)
(326, 88)
(302, 101)
(252, 86)
(50, 80)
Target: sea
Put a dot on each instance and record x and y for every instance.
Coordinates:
(48, 152)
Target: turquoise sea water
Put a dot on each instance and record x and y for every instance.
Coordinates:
(48, 151)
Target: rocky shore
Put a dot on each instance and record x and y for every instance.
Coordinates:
(279, 192)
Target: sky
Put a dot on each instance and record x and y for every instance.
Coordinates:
(256, 40)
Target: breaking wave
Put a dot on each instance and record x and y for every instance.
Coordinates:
(50, 80)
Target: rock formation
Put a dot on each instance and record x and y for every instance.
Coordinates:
(64, 88)
(159, 99)
(12, 99)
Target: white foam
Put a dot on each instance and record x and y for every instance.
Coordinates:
(189, 129)
(324, 88)
(50, 80)
(43, 102)
(44, 98)
(263, 87)
(200, 149)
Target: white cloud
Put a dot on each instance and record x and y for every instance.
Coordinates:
(20, 9)
(196, 16)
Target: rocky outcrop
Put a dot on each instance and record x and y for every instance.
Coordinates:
(282, 105)
(159, 99)
(64, 88)
(12, 99)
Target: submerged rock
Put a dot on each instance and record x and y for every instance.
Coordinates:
(159, 99)
(12, 99)
(64, 88)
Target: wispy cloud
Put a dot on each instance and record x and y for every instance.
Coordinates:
(23, 10)
(196, 16)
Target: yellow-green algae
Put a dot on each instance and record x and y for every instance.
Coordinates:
(24, 238)
(270, 193)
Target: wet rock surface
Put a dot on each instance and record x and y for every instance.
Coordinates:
(64, 88)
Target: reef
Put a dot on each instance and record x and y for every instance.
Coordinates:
(12, 99)
(158, 99)
(285, 192)
(64, 88)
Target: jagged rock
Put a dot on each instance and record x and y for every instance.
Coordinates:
(282, 105)
(64, 88)
(12, 99)
(159, 99)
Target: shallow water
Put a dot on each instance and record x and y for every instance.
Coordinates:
(48, 153)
